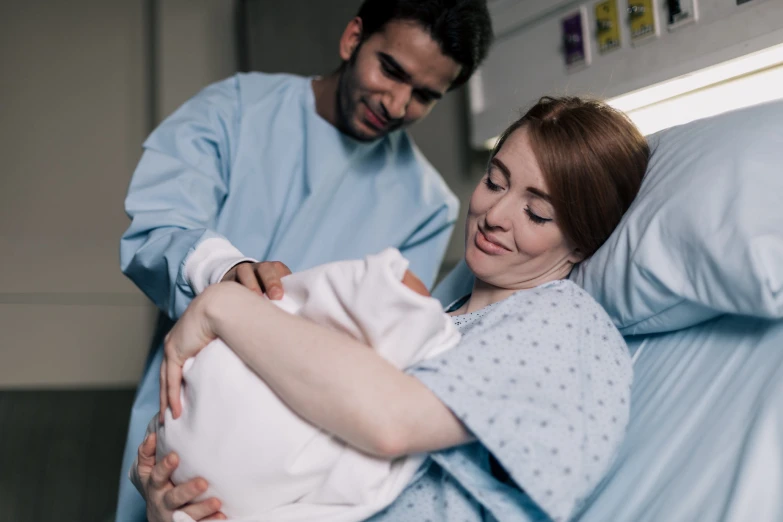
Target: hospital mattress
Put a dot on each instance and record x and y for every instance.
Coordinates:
(705, 439)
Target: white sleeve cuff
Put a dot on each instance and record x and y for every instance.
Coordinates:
(210, 261)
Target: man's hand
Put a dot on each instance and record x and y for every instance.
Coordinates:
(410, 280)
(263, 277)
(162, 496)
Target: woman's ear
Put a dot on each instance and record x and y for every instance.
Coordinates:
(351, 38)
(576, 256)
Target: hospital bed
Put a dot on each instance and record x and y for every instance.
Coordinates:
(705, 441)
(693, 277)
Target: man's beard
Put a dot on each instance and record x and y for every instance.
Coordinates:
(348, 104)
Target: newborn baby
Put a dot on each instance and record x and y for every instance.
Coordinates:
(262, 460)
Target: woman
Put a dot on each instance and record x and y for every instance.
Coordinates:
(521, 419)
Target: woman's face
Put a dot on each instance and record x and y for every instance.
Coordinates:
(512, 238)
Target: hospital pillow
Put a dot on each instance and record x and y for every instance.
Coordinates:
(705, 234)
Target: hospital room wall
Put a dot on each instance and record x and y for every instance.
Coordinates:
(78, 88)
(529, 36)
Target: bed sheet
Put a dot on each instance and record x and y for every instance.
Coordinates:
(705, 440)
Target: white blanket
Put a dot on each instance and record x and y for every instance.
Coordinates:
(263, 461)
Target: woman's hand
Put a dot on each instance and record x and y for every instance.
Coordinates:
(192, 332)
(162, 496)
(261, 277)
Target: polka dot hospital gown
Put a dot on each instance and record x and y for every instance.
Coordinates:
(542, 380)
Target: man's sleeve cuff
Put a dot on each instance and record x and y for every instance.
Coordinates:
(210, 261)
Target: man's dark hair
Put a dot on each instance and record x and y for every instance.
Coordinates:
(462, 28)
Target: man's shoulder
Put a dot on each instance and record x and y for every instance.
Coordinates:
(257, 88)
(410, 156)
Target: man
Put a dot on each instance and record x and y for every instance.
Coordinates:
(278, 167)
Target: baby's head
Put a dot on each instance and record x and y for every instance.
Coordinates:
(414, 283)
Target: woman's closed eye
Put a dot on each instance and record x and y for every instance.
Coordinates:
(491, 185)
(535, 218)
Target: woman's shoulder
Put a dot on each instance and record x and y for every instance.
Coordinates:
(558, 309)
(561, 307)
(561, 299)
(562, 296)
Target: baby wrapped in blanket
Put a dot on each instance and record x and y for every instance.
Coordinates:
(263, 461)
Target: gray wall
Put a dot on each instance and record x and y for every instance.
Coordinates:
(197, 45)
(295, 36)
(73, 115)
(527, 61)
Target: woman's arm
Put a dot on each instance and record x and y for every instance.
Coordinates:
(326, 377)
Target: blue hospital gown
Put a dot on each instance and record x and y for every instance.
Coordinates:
(542, 380)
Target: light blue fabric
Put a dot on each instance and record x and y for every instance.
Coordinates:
(705, 439)
(542, 379)
(250, 160)
(457, 284)
(705, 234)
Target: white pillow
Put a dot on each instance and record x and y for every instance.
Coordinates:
(705, 234)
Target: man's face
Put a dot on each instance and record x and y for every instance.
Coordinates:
(390, 80)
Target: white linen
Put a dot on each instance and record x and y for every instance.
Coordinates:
(262, 460)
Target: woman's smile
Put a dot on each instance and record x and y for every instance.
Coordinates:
(489, 244)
